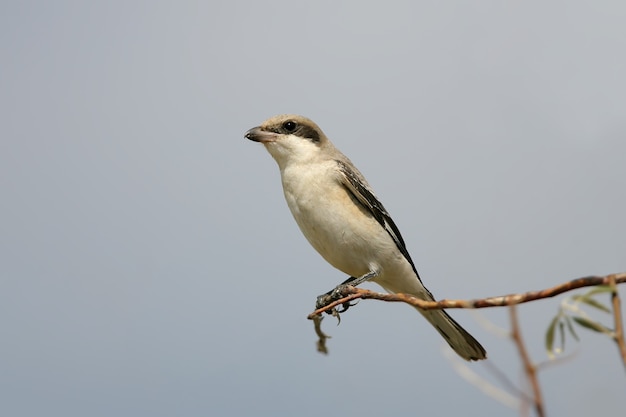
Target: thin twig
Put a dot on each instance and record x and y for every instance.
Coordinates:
(504, 380)
(321, 341)
(529, 368)
(617, 314)
(500, 394)
(350, 293)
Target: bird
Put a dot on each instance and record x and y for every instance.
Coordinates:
(341, 217)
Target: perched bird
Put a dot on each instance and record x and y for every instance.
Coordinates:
(344, 221)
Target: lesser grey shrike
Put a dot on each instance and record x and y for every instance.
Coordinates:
(344, 221)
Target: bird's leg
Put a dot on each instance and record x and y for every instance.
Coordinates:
(335, 294)
(355, 282)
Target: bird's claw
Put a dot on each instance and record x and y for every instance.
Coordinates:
(322, 301)
(346, 306)
(331, 296)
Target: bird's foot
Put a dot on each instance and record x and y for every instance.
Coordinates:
(331, 296)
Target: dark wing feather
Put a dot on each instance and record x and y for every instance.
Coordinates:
(358, 188)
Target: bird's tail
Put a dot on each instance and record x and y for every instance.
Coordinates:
(457, 337)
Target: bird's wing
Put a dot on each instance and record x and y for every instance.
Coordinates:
(360, 190)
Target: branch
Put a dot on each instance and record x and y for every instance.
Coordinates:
(529, 368)
(349, 293)
(617, 317)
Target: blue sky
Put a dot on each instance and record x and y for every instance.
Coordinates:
(149, 265)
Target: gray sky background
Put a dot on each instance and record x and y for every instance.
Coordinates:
(149, 265)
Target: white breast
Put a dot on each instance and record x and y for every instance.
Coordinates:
(335, 224)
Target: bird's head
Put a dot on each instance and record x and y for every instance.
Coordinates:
(290, 139)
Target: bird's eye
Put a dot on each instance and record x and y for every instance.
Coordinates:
(290, 125)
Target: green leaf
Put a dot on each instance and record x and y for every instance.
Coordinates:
(570, 327)
(562, 334)
(550, 336)
(592, 325)
(600, 289)
(591, 302)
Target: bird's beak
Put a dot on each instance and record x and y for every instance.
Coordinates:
(259, 135)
